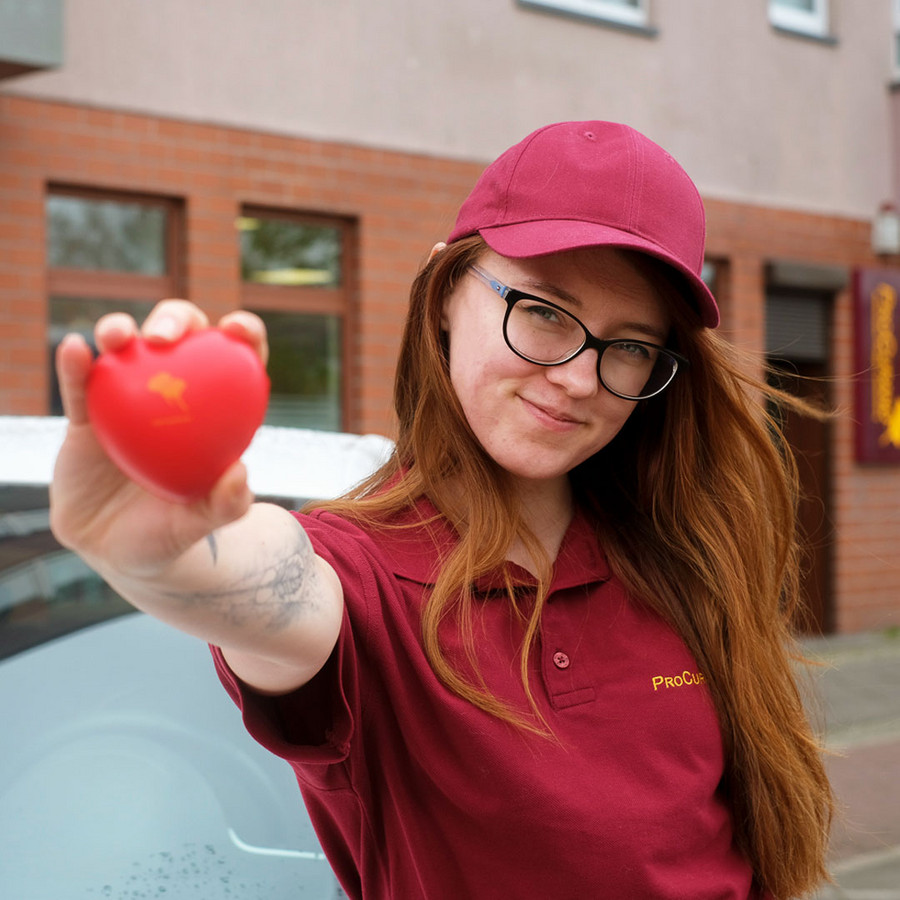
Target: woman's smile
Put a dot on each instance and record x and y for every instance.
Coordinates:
(551, 418)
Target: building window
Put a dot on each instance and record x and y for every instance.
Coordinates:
(802, 16)
(896, 9)
(633, 13)
(297, 276)
(106, 252)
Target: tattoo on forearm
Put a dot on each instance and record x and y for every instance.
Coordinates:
(271, 596)
(213, 547)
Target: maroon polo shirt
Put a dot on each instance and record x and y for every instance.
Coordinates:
(415, 793)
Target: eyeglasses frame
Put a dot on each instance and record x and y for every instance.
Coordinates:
(513, 296)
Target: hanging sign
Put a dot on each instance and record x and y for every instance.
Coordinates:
(877, 317)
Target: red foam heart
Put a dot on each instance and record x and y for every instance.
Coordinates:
(174, 417)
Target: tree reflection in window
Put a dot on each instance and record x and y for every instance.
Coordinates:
(282, 252)
(106, 235)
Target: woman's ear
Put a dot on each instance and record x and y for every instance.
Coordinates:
(440, 245)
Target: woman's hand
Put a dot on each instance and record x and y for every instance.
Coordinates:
(95, 509)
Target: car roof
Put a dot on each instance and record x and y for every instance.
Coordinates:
(285, 462)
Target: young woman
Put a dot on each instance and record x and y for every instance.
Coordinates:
(545, 651)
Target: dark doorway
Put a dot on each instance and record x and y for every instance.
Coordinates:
(798, 338)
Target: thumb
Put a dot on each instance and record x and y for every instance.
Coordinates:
(230, 498)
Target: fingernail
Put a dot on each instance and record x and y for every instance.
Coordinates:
(165, 327)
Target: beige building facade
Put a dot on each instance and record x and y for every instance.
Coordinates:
(756, 113)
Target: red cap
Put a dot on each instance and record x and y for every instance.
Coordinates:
(591, 184)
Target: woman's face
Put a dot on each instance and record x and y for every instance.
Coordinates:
(540, 422)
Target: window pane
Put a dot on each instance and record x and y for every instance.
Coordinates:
(802, 16)
(111, 235)
(626, 12)
(896, 8)
(79, 314)
(806, 5)
(283, 252)
(305, 370)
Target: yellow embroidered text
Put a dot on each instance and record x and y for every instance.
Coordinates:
(685, 679)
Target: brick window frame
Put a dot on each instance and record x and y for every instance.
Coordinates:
(121, 288)
(124, 286)
(328, 300)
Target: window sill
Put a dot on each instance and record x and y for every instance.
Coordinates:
(604, 22)
(828, 40)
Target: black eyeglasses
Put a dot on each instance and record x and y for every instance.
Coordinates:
(548, 335)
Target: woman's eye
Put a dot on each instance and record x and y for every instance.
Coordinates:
(638, 351)
(546, 313)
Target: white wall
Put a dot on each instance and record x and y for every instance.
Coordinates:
(752, 114)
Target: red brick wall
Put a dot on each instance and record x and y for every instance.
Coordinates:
(403, 203)
(865, 500)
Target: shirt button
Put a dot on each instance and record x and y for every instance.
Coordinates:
(561, 660)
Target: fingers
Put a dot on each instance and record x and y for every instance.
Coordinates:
(250, 328)
(73, 364)
(170, 320)
(113, 331)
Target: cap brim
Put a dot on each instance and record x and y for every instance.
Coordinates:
(523, 240)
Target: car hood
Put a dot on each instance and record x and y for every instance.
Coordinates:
(130, 771)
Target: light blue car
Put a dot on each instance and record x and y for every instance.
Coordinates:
(125, 771)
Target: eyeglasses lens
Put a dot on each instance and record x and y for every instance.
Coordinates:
(545, 334)
(636, 370)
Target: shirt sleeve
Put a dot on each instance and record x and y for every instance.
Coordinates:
(315, 724)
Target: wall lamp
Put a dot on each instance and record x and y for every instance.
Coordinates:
(886, 231)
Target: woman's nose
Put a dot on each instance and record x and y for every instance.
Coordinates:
(578, 376)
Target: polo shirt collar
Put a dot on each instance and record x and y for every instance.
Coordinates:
(415, 553)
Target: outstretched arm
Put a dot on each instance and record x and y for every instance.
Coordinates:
(236, 573)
